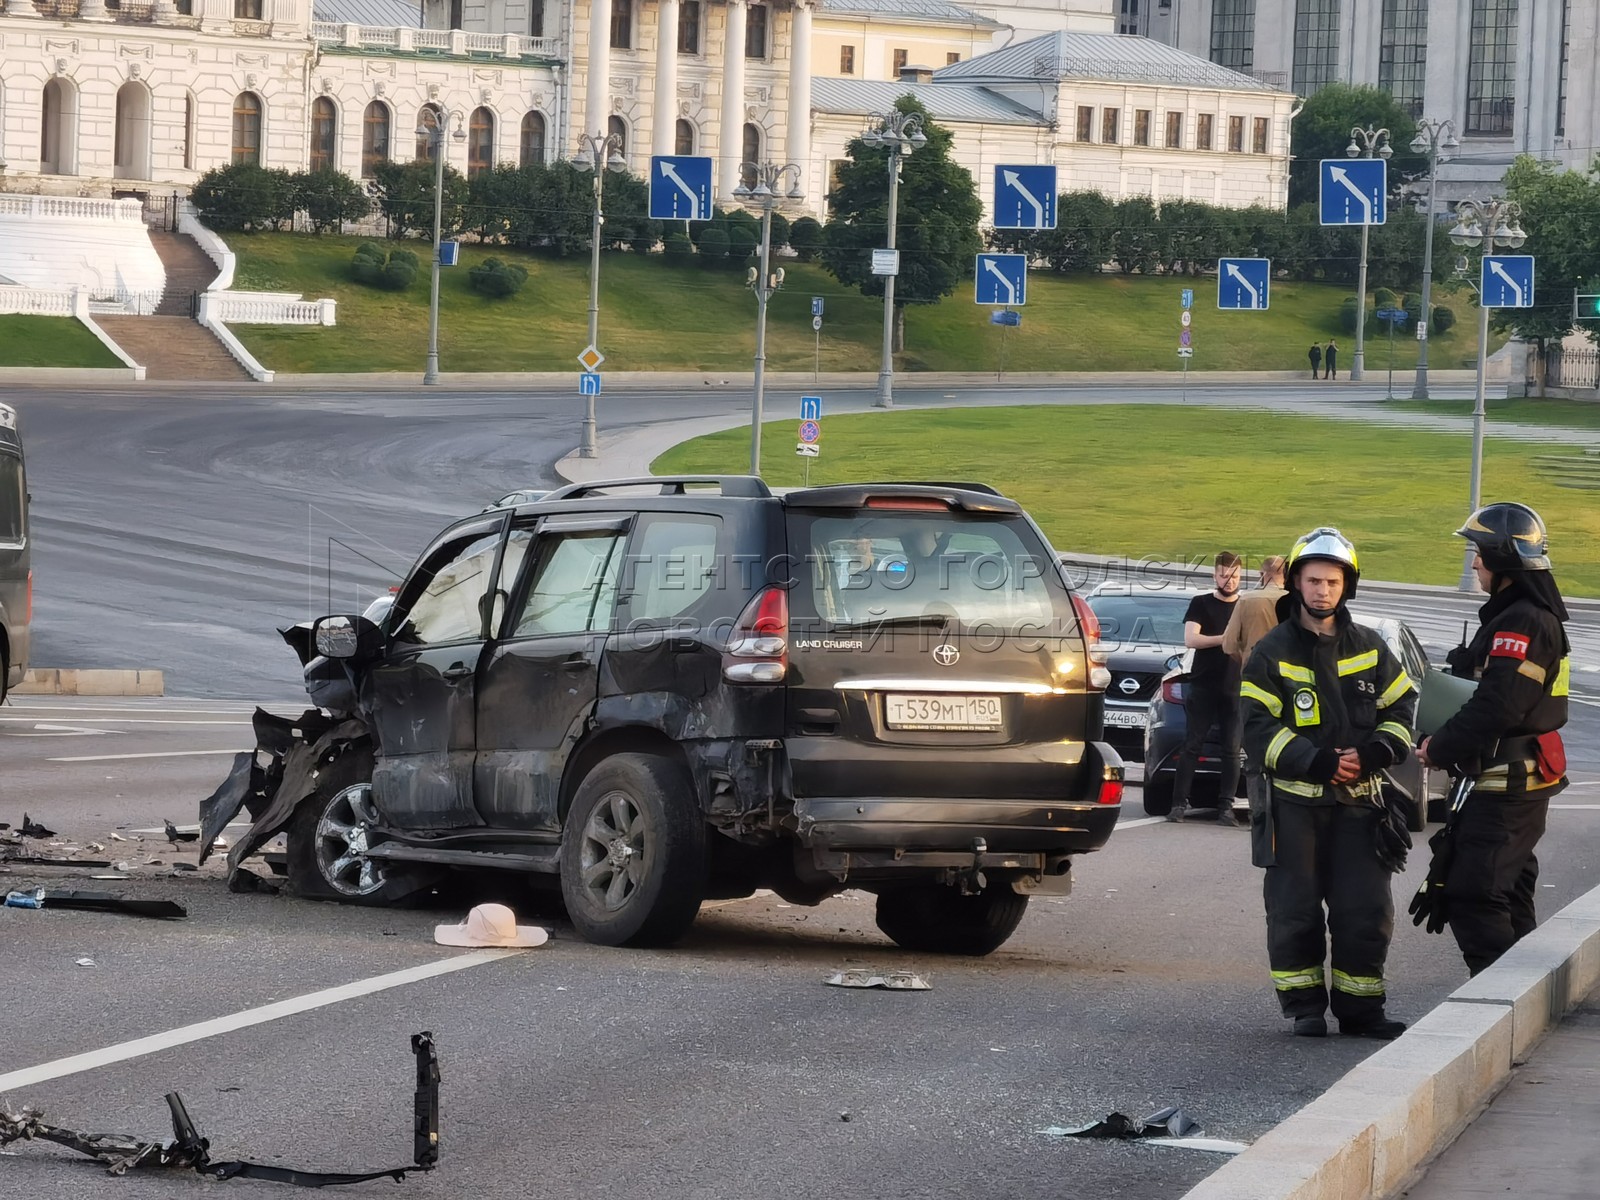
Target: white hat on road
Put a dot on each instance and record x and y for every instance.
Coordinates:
(490, 925)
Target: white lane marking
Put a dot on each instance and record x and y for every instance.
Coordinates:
(148, 754)
(156, 1042)
(1581, 700)
(123, 708)
(1589, 807)
(1134, 824)
(139, 721)
(193, 828)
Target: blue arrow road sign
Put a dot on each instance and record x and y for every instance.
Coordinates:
(1188, 297)
(1002, 280)
(1243, 283)
(1355, 191)
(811, 408)
(1507, 281)
(449, 253)
(1025, 197)
(816, 306)
(680, 188)
(589, 383)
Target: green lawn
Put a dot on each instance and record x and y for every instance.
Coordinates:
(656, 317)
(51, 342)
(1569, 414)
(1175, 482)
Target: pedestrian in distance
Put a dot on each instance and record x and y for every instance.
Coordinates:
(1503, 743)
(1212, 691)
(1315, 355)
(1330, 358)
(1327, 707)
(1254, 616)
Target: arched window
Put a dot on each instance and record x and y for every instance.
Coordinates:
(480, 142)
(374, 138)
(246, 128)
(618, 128)
(131, 138)
(58, 137)
(428, 127)
(324, 122)
(533, 140)
(683, 142)
(751, 155)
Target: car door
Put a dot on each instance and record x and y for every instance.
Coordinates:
(419, 696)
(541, 674)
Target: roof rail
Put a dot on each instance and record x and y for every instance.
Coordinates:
(982, 488)
(748, 487)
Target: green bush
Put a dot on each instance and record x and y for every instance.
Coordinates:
(330, 197)
(493, 277)
(394, 270)
(1383, 298)
(742, 241)
(405, 194)
(805, 238)
(1444, 319)
(1347, 315)
(713, 245)
(244, 197)
(677, 249)
(781, 231)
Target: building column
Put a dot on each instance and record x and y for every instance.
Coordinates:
(800, 89)
(598, 105)
(666, 114)
(730, 148)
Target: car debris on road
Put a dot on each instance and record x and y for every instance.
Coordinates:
(160, 910)
(893, 981)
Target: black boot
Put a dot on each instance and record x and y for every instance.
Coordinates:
(1226, 819)
(1310, 1027)
(1178, 812)
(1383, 1029)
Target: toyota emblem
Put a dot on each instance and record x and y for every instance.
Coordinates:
(945, 654)
(1128, 685)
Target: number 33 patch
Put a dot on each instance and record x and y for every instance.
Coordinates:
(1509, 645)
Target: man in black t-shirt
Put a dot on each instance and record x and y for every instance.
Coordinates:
(1212, 693)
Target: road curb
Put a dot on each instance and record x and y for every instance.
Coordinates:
(1372, 1131)
(50, 681)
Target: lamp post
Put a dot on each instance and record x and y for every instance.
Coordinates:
(1364, 143)
(434, 125)
(595, 149)
(760, 184)
(1437, 140)
(900, 133)
(1489, 223)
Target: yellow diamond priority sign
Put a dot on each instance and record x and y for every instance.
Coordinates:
(591, 359)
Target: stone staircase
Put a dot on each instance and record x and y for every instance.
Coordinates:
(171, 345)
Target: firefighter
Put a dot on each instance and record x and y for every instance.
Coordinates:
(1326, 707)
(1504, 737)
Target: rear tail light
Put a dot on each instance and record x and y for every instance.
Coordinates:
(1172, 691)
(1111, 791)
(908, 503)
(1089, 626)
(758, 647)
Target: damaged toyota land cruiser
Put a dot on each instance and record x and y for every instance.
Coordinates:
(676, 689)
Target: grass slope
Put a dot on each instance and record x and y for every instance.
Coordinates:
(51, 342)
(1174, 482)
(659, 317)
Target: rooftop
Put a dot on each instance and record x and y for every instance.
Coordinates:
(911, 10)
(944, 101)
(386, 14)
(1107, 57)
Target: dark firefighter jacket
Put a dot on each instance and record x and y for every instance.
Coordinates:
(1519, 658)
(1305, 695)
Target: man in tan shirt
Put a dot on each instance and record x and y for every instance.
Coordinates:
(1254, 616)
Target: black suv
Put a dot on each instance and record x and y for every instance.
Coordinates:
(682, 688)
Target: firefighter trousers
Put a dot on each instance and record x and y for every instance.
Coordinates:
(1494, 875)
(1325, 858)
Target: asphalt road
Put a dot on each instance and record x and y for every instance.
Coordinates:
(723, 1067)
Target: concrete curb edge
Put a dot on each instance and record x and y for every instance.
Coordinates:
(1373, 1130)
(50, 681)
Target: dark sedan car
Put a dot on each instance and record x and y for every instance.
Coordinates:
(1164, 735)
(1141, 638)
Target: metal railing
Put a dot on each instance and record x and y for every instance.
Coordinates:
(454, 42)
(1571, 368)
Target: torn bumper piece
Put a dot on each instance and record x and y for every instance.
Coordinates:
(292, 749)
(188, 1150)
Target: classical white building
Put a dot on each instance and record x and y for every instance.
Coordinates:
(1514, 76)
(103, 97)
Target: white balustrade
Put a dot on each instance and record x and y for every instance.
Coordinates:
(447, 41)
(80, 208)
(35, 302)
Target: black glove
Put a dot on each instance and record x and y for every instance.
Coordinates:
(1375, 756)
(1460, 662)
(1324, 766)
(1429, 905)
(1391, 838)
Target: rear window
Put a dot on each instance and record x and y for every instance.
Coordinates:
(13, 500)
(863, 569)
(1132, 619)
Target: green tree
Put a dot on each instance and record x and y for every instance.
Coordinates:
(936, 227)
(553, 210)
(805, 237)
(329, 197)
(244, 197)
(1136, 239)
(405, 194)
(1561, 216)
(1322, 130)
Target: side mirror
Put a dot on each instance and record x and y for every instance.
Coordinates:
(346, 637)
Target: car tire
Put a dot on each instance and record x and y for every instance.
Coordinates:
(937, 919)
(1158, 794)
(634, 853)
(319, 841)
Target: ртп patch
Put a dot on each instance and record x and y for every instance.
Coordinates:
(1509, 645)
